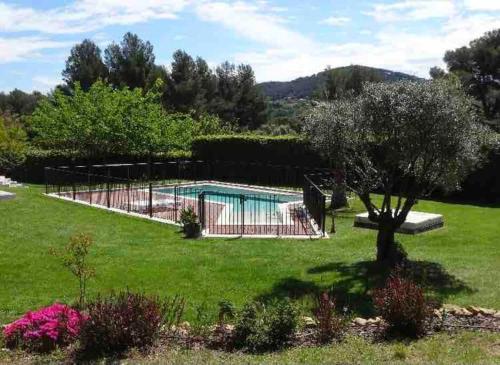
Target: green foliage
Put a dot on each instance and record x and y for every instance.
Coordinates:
(190, 224)
(405, 139)
(12, 143)
(131, 62)
(84, 65)
(265, 327)
(230, 92)
(104, 121)
(74, 258)
(478, 67)
(285, 150)
(347, 81)
(226, 310)
(18, 102)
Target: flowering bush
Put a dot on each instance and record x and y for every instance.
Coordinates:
(44, 329)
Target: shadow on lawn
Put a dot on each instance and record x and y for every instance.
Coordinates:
(355, 283)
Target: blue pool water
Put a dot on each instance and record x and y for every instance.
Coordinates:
(258, 206)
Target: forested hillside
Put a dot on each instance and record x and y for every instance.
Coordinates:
(305, 87)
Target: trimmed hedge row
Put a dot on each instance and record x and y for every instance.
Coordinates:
(278, 150)
(32, 170)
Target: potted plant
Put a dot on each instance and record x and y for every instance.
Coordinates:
(190, 224)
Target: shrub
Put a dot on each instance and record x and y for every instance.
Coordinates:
(329, 324)
(44, 329)
(124, 321)
(74, 258)
(280, 150)
(262, 327)
(402, 304)
(189, 221)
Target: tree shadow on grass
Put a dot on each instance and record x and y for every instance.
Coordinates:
(355, 284)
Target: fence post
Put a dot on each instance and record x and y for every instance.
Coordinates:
(128, 196)
(45, 172)
(201, 209)
(242, 203)
(323, 213)
(73, 187)
(175, 204)
(108, 192)
(150, 200)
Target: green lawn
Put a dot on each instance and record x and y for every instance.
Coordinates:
(460, 262)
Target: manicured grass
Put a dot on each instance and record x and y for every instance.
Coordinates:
(460, 261)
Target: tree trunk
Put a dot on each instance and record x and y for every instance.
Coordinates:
(388, 251)
(339, 196)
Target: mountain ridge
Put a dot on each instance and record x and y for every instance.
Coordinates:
(304, 87)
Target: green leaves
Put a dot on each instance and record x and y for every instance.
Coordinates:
(106, 121)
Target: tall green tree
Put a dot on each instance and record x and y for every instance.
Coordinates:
(84, 65)
(478, 67)
(250, 105)
(402, 139)
(130, 62)
(12, 143)
(184, 90)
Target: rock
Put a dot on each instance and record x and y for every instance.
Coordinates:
(473, 309)
(463, 312)
(360, 321)
(487, 312)
(309, 322)
(185, 324)
(438, 313)
(497, 314)
(373, 320)
(452, 308)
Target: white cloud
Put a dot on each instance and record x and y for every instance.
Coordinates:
(86, 15)
(248, 21)
(484, 5)
(412, 10)
(336, 21)
(20, 48)
(390, 48)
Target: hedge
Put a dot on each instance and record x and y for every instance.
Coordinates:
(32, 170)
(279, 150)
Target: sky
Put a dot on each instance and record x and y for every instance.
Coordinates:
(280, 39)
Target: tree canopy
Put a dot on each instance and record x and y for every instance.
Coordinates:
(84, 65)
(190, 86)
(105, 121)
(12, 143)
(478, 67)
(404, 139)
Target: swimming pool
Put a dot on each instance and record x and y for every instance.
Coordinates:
(235, 204)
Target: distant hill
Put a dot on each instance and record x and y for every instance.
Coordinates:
(304, 87)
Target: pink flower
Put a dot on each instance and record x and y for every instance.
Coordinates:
(45, 329)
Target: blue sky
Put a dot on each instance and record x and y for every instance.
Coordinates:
(281, 39)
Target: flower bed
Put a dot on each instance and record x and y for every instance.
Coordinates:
(45, 329)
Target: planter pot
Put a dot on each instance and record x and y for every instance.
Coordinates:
(192, 230)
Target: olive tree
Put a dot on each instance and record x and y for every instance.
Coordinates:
(402, 140)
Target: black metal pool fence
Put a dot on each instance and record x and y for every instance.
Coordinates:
(137, 188)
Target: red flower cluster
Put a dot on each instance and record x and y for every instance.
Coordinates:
(44, 329)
